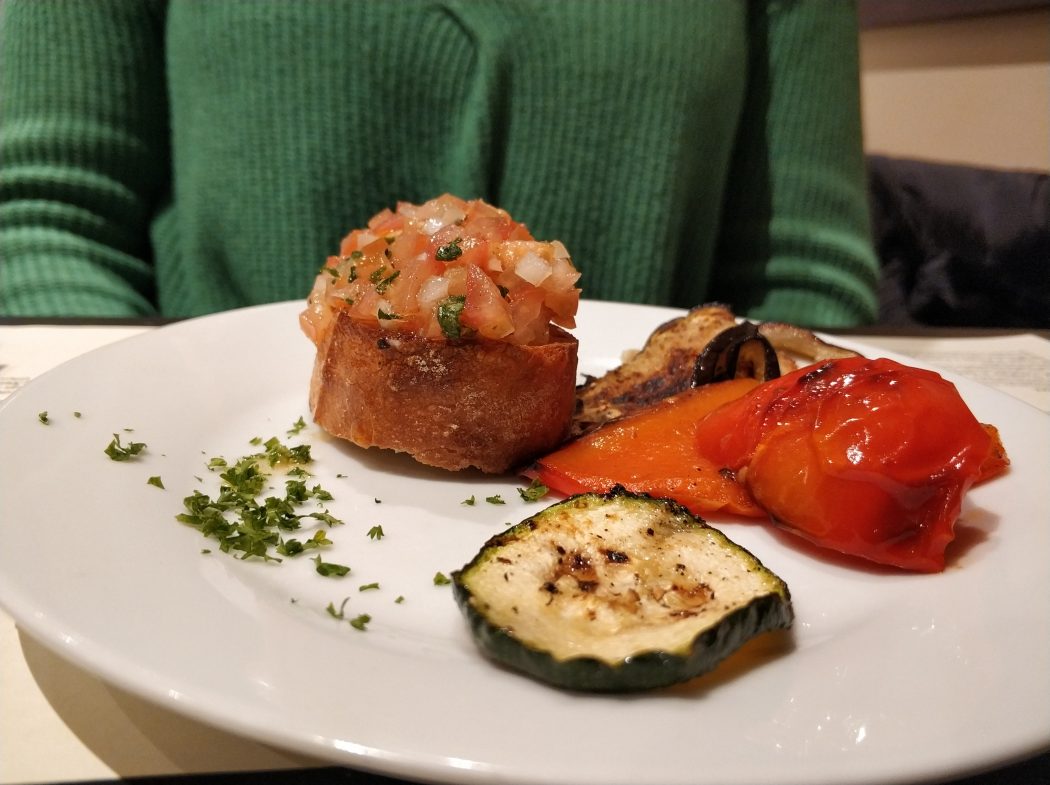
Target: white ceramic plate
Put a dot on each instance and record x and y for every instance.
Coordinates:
(885, 677)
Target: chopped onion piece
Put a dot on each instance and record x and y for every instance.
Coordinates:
(448, 215)
(431, 226)
(563, 276)
(434, 289)
(533, 268)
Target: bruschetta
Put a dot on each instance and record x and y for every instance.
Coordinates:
(441, 332)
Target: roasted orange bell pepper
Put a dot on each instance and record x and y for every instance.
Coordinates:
(653, 452)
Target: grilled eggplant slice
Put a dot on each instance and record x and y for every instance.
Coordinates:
(667, 364)
(663, 367)
(616, 592)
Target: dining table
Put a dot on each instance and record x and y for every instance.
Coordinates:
(62, 722)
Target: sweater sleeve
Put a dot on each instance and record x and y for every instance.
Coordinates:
(83, 124)
(795, 241)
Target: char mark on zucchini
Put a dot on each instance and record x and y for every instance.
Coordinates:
(616, 592)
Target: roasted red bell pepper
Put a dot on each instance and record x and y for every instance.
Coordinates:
(866, 457)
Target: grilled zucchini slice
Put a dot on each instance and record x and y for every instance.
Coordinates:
(616, 592)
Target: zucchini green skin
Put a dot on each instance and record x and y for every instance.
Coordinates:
(765, 604)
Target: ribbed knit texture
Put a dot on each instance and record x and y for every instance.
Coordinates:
(189, 157)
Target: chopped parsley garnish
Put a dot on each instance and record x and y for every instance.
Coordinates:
(331, 271)
(296, 490)
(325, 517)
(497, 499)
(337, 614)
(368, 587)
(399, 599)
(358, 622)
(448, 313)
(384, 284)
(248, 525)
(42, 416)
(440, 579)
(357, 254)
(387, 316)
(375, 533)
(297, 427)
(377, 274)
(291, 547)
(294, 547)
(536, 491)
(78, 415)
(450, 251)
(120, 452)
(156, 481)
(277, 453)
(330, 569)
(469, 502)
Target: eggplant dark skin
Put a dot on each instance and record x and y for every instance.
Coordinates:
(739, 351)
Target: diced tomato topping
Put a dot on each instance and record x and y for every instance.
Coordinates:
(485, 310)
(446, 269)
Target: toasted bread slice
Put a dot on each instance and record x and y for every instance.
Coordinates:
(664, 366)
(487, 404)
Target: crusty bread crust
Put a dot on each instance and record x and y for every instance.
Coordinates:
(451, 404)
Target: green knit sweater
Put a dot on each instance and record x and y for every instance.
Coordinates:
(191, 156)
